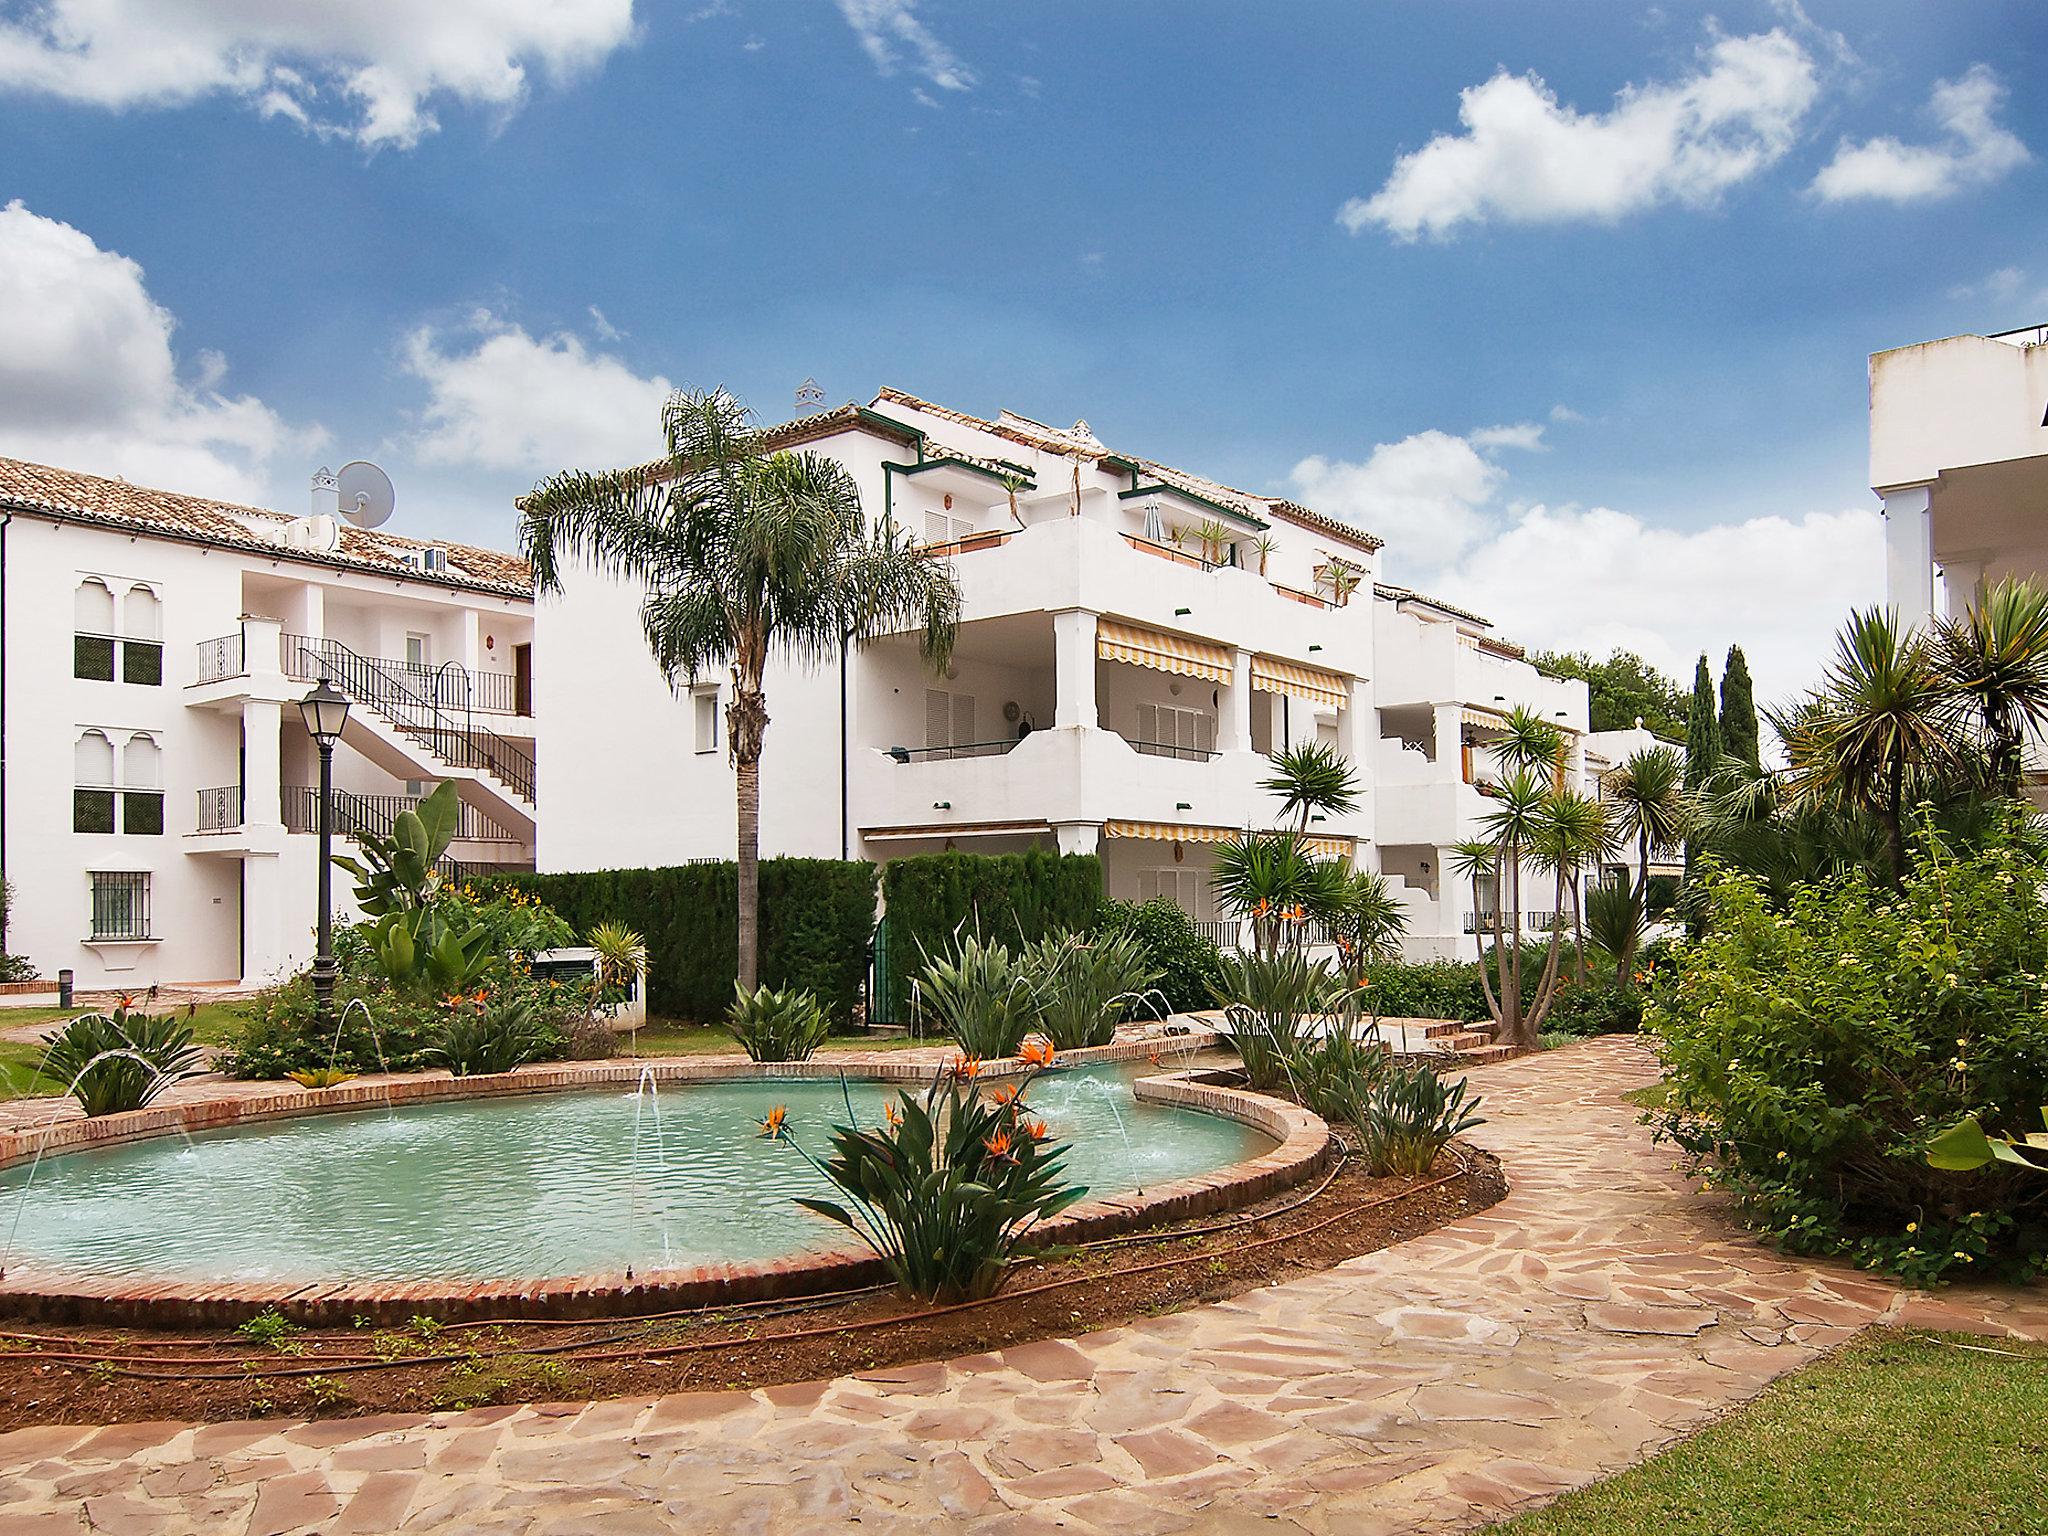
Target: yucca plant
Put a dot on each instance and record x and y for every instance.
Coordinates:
(321, 1077)
(776, 1025)
(120, 1061)
(1333, 1073)
(621, 957)
(1409, 1116)
(1085, 984)
(983, 997)
(947, 1188)
(1272, 1004)
(482, 1037)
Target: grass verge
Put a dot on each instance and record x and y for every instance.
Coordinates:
(1896, 1434)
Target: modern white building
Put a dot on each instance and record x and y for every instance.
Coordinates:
(1959, 456)
(1135, 639)
(157, 785)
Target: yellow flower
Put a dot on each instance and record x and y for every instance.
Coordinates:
(1912, 1226)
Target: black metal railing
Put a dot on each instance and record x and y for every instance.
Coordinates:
(220, 809)
(448, 733)
(356, 814)
(222, 657)
(966, 749)
(1478, 922)
(1171, 749)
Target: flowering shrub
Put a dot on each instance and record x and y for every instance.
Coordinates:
(1814, 1056)
(945, 1190)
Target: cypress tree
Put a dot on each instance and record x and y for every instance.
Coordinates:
(1738, 710)
(1702, 729)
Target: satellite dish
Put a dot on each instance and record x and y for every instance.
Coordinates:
(365, 492)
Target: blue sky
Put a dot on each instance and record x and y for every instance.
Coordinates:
(1590, 356)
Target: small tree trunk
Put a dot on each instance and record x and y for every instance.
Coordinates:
(1895, 832)
(1579, 929)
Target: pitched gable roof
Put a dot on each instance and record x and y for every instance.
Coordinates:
(68, 495)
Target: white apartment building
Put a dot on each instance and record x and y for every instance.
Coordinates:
(1959, 457)
(157, 785)
(1134, 640)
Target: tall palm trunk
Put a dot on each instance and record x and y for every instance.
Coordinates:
(1479, 943)
(1894, 820)
(1579, 925)
(746, 721)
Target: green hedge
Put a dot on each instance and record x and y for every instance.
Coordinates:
(816, 918)
(1008, 896)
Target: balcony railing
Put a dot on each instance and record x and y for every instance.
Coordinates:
(451, 686)
(1223, 932)
(968, 543)
(1478, 922)
(224, 810)
(1165, 552)
(942, 754)
(1171, 749)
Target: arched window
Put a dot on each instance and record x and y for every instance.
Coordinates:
(142, 637)
(92, 779)
(142, 778)
(92, 623)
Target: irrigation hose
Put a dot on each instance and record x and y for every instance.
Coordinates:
(351, 1365)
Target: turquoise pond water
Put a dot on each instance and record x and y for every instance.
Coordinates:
(544, 1184)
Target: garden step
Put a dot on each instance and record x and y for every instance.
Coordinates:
(1480, 1055)
(1443, 1027)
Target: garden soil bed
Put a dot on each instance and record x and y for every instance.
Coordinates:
(52, 1375)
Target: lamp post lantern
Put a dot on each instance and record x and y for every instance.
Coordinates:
(325, 711)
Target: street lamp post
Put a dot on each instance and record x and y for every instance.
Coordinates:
(325, 711)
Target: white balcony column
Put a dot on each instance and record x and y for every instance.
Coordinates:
(471, 641)
(1077, 836)
(1909, 553)
(1355, 728)
(1450, 738)
(265, 953)
(1073, 643)
(262, 770)
(1234, 707)
(262, 647)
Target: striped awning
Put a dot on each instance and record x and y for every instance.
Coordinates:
(1291, 677)
(1182, 832)
(1494, 720)
(1162, 652)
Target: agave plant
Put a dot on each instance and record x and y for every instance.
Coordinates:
(621, 957)
(120, 1061)
(773, 1025)
(321, 1077)
(983, 997)
(946, 1189)
(1086, 984)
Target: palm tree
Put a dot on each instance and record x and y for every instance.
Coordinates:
(1573, 835)
(1521, 808)
(1312, 779)
(1887, 726)
(1270, 878)
(1614, 920)
(1650, 806)
(1996, 657)
(1527, 740)
(1364, 916)
(1478, 859)
(745, 556)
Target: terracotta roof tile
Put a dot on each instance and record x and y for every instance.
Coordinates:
(41, 489)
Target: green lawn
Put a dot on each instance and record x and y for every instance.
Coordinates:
(18, 1076)
(19, 1058)
(1897, 1434)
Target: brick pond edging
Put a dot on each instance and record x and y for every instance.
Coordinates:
(1302, 1147)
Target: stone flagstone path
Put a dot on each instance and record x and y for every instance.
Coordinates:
(1597, 1313)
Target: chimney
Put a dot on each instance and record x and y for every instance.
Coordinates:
(326, 497)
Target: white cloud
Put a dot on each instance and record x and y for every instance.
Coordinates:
(605, 330)
(1975, 151)
(892, 36)
(2003, 285)
(1592, 579)
(500, 399)
(366, 69)
(1564, 415)
(1526, 158)
(89, 379)
(1428, 495)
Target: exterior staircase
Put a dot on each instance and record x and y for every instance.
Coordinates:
(406, 730)
(1471, 1044)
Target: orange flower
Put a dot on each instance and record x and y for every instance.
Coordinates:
(891, 1115)
(772, 1126)
(127, 1000)
(1003, 1094)
(1035, 1129)
(1153, 1057)
(999, 1144)
(1037, 1051)
(964, 1067)
(1262, 908)
(453, 1000)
